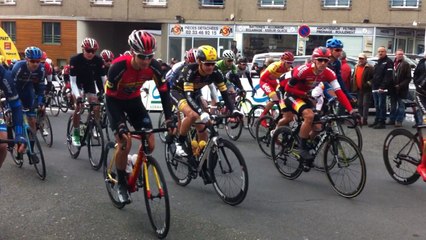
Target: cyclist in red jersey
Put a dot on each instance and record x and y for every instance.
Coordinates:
(268, 79)
(123, 95)
(304, 79)
(107, 57)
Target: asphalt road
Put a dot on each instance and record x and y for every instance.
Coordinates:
(72, 203)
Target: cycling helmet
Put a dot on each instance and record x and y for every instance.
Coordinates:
(321, 53)
(228, 54)
(206, 53)
(107, 55)
(190, 55)
(142, 42)
(33, 53)
(44, 55)
(127, 53)
(288, 56)
(334, 43)
(90, 43)
(67, 69)
(242, 60)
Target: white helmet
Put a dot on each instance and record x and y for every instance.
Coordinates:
(228, 54)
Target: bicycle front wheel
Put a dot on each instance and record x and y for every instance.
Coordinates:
(54, 105)
(234, 127)
(347, 127)
(177, 169)
(245, 106)
(229, 173)
(95, 145)
(264, 126)
(402, 155)
(344, 166)
(283, 147)
(252, 118)
(162, 124)
(110, 175)
(156, 197)
(36, 155)
(74, 151)
(45, 129)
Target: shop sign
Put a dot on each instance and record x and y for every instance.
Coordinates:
(339, 30)
(189, 30)
(266, 29)
(404, 32)
(385, 32)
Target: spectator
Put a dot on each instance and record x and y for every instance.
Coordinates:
(361, 84)
(346, 71)
(383, 74)
(256, 68)
(398, 89)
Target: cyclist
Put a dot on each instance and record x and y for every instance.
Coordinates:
(123, 95)
(242, 71)
(107, 57)
(187, 97)
(268, 80)
(28, 75)
(7, 85)
(229, 70)
(419, 79)
(67, 85)
(85, 68)
(304, 79)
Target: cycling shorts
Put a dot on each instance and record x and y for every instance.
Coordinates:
(297, 104)
(268, 88)
(136, 113)
(87, 87)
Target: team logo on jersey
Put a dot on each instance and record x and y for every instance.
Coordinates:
(226, 30)
(177, 29)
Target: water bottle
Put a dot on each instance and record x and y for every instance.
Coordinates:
(194, 145)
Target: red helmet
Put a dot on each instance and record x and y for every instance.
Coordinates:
(142, 42)
(67, 69)
(288, 56)
(107, 55)
(43, 55)
(89, 43)
(190, 55)
(321, 52)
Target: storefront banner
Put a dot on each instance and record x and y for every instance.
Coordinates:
(336, 30)
(152, 101)
(189, 30)
(266, 29)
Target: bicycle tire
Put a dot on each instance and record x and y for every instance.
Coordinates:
(43, 124)
(402, 166)
(36, 155)
(252, 118)
(156, 195)
(105, 125)
(11, 147)
(351, 161)
(162, 124)
(53, 105)
(220, 168)
(244, 106)
(263, 134)
(178, 170)
(348, 128)
(74, 151)
(63, 101)
(95, 159)
(110, 175)
(234, 129)
(282, 152)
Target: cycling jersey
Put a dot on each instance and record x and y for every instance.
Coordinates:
(86, 72)
(221, 65)
(230, 73)
(7, 85)
(174, 72)
(268, 78)
(336, 66)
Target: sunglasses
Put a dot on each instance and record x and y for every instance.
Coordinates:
(338, 49)
(361, 58)
(92, 51)
(230, 60)
(34, 61)
(145, 56)
(209, 64)
(289, 62)
(323, 60)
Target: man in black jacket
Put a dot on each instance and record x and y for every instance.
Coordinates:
(398, 89)
(383, 75)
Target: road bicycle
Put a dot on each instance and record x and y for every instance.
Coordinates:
(91, 135)
(402, 151)
(51, 101)
(64, 97)
(343, 162)
(44, 127)
(146, 175)
(219, 162)
(33, 152)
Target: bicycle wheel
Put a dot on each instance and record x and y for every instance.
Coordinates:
(45, 129)
(162, 124)
(244, 106)
(74, 151)
(63, 101)
(283, 146)
(402, 154)
(156, 197)
(12, 149)
(35, 153)
(110, 175)
(344, 166)
(95, 144)
(228, 171)
(252, 118)
(263, 134)
(178, 169)
(234, 127)
(347, 128)
(53, 104)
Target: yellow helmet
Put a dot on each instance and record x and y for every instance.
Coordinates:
(206, 53)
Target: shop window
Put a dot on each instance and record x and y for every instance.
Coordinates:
(212, 3)
(51, 2)
(7, 2)
(404, 3)
(51, 33)
(337, 3)
(155, 3)
(272, 3)
(10, 29)
(102, 2)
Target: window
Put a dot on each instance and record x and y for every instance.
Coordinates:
(337, 3)
(51, 2)
(7, 2)
(404, 3)
(51, 33)
(272, 3)
(212, 3)
(101, 2)
(155, 2)
(10, 29)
